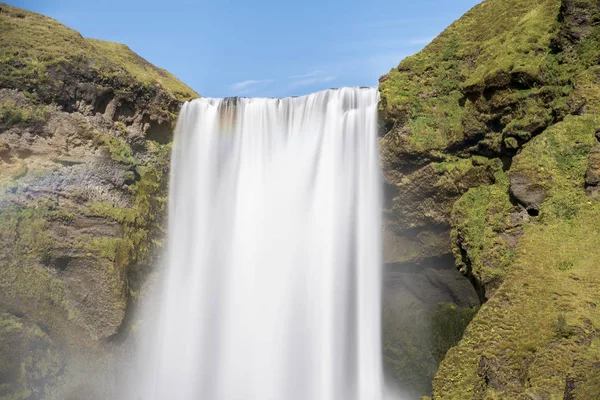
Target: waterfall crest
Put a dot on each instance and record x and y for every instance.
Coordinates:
(272, 285)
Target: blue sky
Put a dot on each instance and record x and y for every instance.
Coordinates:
(263, 48)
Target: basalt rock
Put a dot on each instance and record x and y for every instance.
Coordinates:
(514, 83)
(84, 154)
(527, 192)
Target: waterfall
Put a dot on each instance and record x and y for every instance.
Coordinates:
(272, 285)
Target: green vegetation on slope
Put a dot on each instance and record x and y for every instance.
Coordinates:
(34, 49)
(516, 81)
(142, 70)
(486, 230)
(536, 336)
(487, 84)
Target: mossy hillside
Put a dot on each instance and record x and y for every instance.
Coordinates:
(485, 230)
(501, 78)
(33, 47)
(82, 184)
(143, 222)
(143, 71)
(536, 336)
(494, 79)
(495, 45)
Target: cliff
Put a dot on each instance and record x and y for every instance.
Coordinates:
(85, 127)
(490, 143)
(491, 156)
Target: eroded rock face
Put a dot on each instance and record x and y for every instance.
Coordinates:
(84, 157)
(77, 205)
(527, 192)
(426, 306)
(514, 82)
(30, 359)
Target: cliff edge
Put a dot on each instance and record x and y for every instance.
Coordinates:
(85, 132)
(490, 143)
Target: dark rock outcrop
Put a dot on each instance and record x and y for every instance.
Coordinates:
(527, 192)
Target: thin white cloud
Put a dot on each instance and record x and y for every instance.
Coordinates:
(307, 75)
(311, 80)
(246, 85)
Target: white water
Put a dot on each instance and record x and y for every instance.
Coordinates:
(272, 290)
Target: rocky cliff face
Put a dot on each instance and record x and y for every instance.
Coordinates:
(490, 152)
(85, 127)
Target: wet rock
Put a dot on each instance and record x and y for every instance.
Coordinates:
(30, 359)
(425, 306)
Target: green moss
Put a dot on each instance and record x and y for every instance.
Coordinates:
(141, 69)
(559, 158)
(490, 82)
(119, 150)
(538, 330)
(11, 114)
(33, 46)
(479, 221)
(520, 79)
(495, 45)
(29, 362)
(448, 323)
(516, 50)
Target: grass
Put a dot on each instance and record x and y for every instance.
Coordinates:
(11, 114)
(538, 330)
(478, 219)
(32, 44)
(492, 72)
(141, 69)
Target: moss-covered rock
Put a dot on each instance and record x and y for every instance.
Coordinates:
(535, 337)
(53, 64)
(85, 129)
(488, 84)
(30, 360)
(516, 84)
